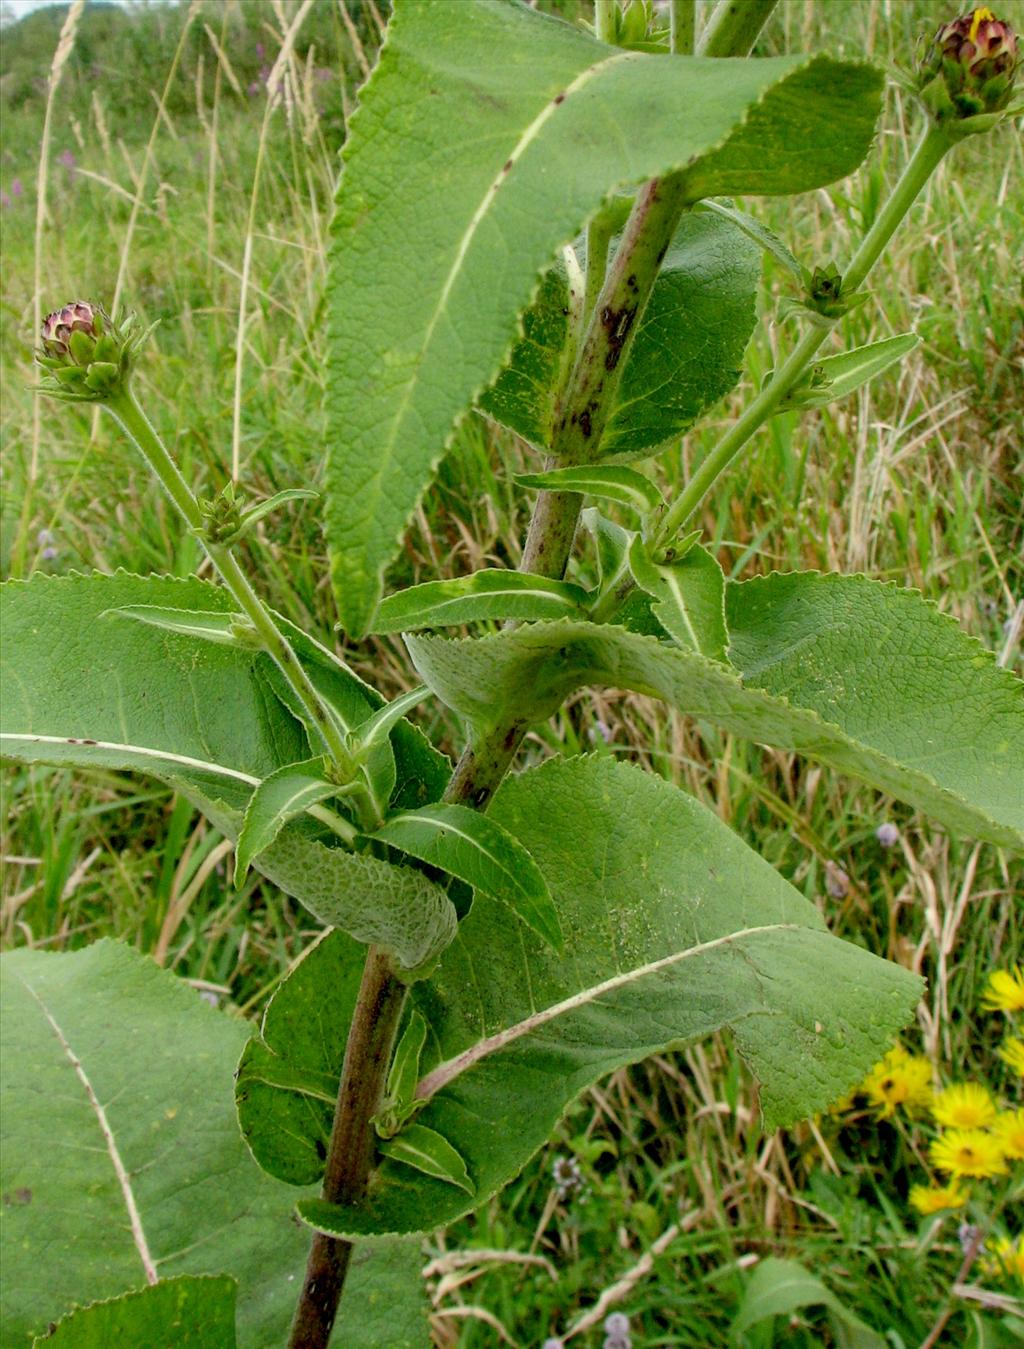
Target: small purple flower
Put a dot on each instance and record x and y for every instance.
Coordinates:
(887, 834)
(48, 554)
(4, 199)
(254, 88)
(67, 158)
(17, 188)
(616, 1328)
(45, 537)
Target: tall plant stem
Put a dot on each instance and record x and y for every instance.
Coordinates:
(922, 164)
(682, 26)
(125, 407)
(612, 320)
(371, 1039)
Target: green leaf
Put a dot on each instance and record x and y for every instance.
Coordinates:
(690, 598)
(128, 695)
(608, 482)
(491, 593)
(405, 1070)
(182, 1313)
(424, 305)
(862, 676)
(425, 1150)
(674, 928)
(202, 718)
(279, 798)
(379, 726)
(264, 508)
(477, 850)
(836, 376)
(611, 543)
(767, 240)
(122, 1151)
(685, 356)
(782, 1287)
(210, 627)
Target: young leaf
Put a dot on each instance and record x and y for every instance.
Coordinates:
(426, 1150)
(263, 508)
(836, 376)
(477, 850)
(674, 928)
(612, 544)
(690, 597)
(405, 1070)
(200, 1312)
(766, 239)
(420, 318)
(491, 593)
(379, 726)
(608, 482)
(862, 676)
(210, 627)
(279, 798)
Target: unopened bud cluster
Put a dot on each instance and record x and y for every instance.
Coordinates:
(88, 357)
(970, 68)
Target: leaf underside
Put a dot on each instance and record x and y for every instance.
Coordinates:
(860, 675)
(424, 304)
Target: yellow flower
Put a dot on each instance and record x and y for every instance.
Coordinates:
(928, 1200)
(965, 1105)
(1005, 991)
(968, 1152)
(1008, 1127)
(1012, 1052)
(1004, 1258)
(901, 1079)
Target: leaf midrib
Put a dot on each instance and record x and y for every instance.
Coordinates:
(445, 1073)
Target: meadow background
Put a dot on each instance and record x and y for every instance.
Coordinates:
(151, 161)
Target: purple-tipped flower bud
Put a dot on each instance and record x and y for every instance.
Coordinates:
(88, 357)
(971, 66)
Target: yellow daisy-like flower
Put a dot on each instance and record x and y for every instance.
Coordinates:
(901, 1079)
(1008, 1127)
(964, 1105)
(1004, 1258)
(928, 1199)
(1005, 991)
(1012, 1052)
(968, 1152)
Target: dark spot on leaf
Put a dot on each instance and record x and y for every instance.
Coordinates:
(21, 1196)
(90, 742)
(508, 165)
(559, 98)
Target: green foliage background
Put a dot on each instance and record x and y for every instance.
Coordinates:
(921, 485)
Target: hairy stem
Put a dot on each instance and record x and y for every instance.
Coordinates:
(682, 26)
(612, 320)
(127, 410)
(371, 1039)
(922, 164)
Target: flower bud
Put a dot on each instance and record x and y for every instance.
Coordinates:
(971, 66)
(88, 357)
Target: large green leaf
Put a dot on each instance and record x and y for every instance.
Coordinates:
(122, 1154)
(182, 1313)
(202, 717)
(686, 354)
(440, 236)
(866, 677)
(674, 928)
